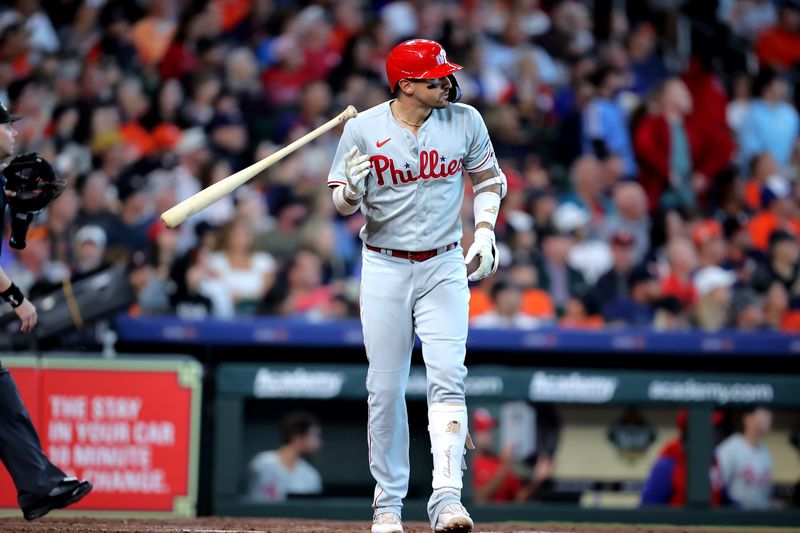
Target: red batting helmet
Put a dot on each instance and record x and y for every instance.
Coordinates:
(418, 59)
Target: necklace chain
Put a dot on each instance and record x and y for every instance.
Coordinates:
(401, 119)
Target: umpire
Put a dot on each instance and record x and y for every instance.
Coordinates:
(41, 486)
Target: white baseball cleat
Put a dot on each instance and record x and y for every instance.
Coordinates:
(454, 519)
(387, 523)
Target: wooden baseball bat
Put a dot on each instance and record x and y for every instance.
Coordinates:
(197, 202)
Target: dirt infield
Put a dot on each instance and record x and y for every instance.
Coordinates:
(254, 525)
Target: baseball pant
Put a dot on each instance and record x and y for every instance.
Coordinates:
(33, 474)
(398, 298)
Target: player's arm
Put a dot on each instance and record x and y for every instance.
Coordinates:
(487, 186)
(23, 308)
(347, 197)
(347, 178)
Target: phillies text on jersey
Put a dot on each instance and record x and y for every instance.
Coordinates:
(415, 188)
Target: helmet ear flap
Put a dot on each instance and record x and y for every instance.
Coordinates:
(455, 90)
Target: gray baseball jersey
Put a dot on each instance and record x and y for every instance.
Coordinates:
(415, 189)
(746, 472)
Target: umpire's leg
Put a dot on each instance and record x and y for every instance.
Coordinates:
(34, 475)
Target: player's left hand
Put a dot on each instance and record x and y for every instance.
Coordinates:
(485, 247)
(356, 168)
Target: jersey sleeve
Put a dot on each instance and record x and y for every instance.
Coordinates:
(480, 152)
(336, 175)
(658, 486)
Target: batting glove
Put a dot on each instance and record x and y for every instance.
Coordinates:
(483, 246)
(355, 170)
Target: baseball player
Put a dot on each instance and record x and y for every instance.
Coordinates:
(403, 163)
(28, 182)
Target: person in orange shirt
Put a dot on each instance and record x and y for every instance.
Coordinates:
(153, 33)
(762, 166)
(778, 213)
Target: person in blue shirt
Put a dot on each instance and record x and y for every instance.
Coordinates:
(771, 123)
(605, 126)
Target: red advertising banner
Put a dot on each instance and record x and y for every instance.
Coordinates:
(131, 432)
(26, 378)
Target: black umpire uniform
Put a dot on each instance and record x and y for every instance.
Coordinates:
(41, 486)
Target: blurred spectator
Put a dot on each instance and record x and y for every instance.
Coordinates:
(714, 292)
(708, 239)
(745, 462)
(152, 33)
(667, 483)
(780, 45)
(630, 216)
(739, 104)
(670, 315)
(747, 310)
(237, 277)
(771, 123)
(587, 179)
(42, 34)
(677, 159)
(94, 195)
(614, 283)
(591, 257)
(776, 309)
(188, 273)
(636, 307)
(299, 289)
(747, 18)
(277, 474)
(682, 259)
(128, 230)
(647, 64)
(605, 124)
(762, 167)
(782, 265)
(89, 246)
(150, 289)
(555, 275)
(494, 479)
(506, 311)
(580, 313)
(778, 213)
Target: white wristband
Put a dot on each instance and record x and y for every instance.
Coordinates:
(342, 205)
(486, 205)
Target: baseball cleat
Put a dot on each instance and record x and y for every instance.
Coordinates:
(454, 519)
(387, 523)
(67, 492)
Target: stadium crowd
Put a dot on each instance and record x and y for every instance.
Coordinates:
(650, 183)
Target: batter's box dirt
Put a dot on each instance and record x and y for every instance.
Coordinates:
(277, 525)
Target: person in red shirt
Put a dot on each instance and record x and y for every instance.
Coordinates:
(678, 154)
(493, 478)
(780, 45)
(668, 479)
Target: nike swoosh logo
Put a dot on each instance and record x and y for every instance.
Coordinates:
(381, 143)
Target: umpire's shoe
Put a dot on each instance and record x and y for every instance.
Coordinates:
(454, 519)
(69, 490)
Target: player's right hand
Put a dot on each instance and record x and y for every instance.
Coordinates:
(27, 315)
(355, 170)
